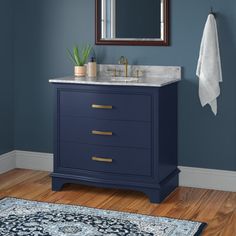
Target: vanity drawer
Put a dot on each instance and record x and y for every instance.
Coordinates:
(105, 132)
(105, 159)
(105, 106)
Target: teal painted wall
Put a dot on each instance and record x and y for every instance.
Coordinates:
(45, 28)
(6, 78)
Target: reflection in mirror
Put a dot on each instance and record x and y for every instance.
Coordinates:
(132, 22)
(130, 18)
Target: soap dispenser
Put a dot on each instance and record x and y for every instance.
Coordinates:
(92, 67)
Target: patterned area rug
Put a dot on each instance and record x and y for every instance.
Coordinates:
(22, 217)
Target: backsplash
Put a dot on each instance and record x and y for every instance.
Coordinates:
(140, 71)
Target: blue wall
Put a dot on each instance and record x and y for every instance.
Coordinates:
(45, 28)
(6, 77)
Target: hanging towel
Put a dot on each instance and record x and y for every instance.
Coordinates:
(209, 69)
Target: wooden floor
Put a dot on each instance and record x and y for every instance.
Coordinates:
(216, 208)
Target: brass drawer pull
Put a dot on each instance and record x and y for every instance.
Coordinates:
(95, 106)
(101, 159)
(96, 132)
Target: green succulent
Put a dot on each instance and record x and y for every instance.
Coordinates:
(79, 58)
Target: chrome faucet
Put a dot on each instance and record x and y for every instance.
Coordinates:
(124, 61)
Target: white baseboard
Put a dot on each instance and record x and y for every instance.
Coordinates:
(189, 176)
(34, 160)
(7, 162)
(208, 178)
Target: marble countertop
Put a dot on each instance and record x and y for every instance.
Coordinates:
(102, 80)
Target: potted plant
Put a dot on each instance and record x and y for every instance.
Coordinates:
(79, 59)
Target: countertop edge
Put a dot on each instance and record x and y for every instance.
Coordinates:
(61, 81)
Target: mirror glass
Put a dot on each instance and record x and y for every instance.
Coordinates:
(132, 22)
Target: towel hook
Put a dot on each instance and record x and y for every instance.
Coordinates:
(212, 11)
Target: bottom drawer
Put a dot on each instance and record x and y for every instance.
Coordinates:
(105, 159)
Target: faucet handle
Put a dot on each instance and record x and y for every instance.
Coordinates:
(138, 73)
(123, 60)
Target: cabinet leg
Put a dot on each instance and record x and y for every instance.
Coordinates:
(57, 184)
(154, 195)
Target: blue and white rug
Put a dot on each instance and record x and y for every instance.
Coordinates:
(21, 217)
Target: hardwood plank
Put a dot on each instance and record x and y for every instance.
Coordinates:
(118, 200)
(207, 207)
(217, 208)
(14, 177)
(224, 221)
(230, 228)
(181, 200)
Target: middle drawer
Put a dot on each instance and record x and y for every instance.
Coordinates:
(105, 132)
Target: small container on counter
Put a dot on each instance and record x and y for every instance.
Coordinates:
(92, 68)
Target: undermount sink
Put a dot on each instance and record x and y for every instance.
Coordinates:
(124, 79)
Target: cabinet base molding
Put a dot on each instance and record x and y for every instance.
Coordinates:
(156, 192)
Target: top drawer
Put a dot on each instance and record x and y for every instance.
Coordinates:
(105, 106)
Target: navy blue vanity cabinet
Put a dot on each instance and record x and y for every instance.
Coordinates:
(116, 136)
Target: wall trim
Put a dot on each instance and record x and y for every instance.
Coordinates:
(189, 176)
(34, 160)
(7, 162)
(208, 178)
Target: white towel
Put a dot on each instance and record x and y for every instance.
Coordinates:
(209, 65)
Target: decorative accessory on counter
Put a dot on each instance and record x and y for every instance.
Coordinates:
(92, 68)
(79, 59)
(23, 217)
(80, 71)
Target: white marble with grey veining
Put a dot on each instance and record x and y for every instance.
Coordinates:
(144, 71)
(150, 76)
